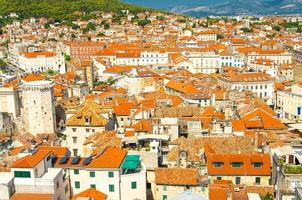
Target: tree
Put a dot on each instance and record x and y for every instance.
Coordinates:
(160, 18)
(268, 196)
(143, 22)
(90, 26)
(277, 28)
(67, 57)
(106, 26)
(100, 34)
(246, 30)
(47, 25)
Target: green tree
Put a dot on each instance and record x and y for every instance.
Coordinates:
(67, 57)
(143, 22)
(47, 25)
(90, 26)
(268, 196)
(277, 28)
(106, 26)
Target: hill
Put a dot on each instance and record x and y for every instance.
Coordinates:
(225, 8)
(62, 9)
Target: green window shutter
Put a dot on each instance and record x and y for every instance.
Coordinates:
(92, 174)
(22, 174)
(237, 180)
(111, 188)
(257, 180)
(110, 174)
(93, 186)
(165, 188)
(76, 171)
(77, 184)
(165, 197)
(133, 185)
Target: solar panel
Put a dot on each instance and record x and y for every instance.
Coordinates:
(63, 160)
(75, 160)
(87, 160)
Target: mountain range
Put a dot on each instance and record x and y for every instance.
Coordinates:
(224, 8)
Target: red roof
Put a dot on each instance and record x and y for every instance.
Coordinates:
(31, 161)
(37, 54)
(247, 167)
(91, 193)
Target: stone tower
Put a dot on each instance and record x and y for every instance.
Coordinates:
(38, 107)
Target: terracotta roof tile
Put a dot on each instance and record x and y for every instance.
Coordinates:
(176, 176)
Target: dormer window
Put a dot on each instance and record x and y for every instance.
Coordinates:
(257, 164)
(217, 164)
(236, 164)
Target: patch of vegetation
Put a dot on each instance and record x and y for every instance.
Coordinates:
(246, 30)
(292, 169)
(268, 196)
(64, 9)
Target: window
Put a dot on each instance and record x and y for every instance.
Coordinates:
(110, 174)
(77, 184)
(257, 164)
(92, 174)
(165, 197)
(76, 171)
(92, 186)
(217, 164)
(237, 180)
(236, 164)
(257, 180)
(218, 177)
(74, 140)
(74, 129)
(75, 152)
(22, 174)
(133, 185)
(122, 119)
(87, 130)
(165, 188)
(111, 188)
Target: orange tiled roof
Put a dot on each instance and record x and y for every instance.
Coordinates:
(31, 161)
(144, 125)
(247, 167)
(118, 69)
(182, 87)
(176, 176)
(33, 77)
(15, 151)
(57, 151)
(32, 196)
(257, 119)
(123, 109)
(37, 54)
(89, 110)
(90, 193)
(111, 158)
